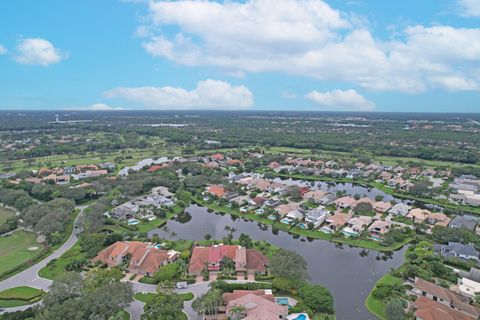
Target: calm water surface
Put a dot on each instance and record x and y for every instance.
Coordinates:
(349, 273)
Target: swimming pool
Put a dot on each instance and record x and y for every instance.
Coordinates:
(282, 301)
(133, 222)
(301, 317)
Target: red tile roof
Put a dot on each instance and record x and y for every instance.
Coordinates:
(430, 310)
(216, 190)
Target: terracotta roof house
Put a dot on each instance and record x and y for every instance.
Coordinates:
(356, 225)
(258, 308)
(418, 215)
(365, 200)
(445, 297)
(216, 190)
(274, 165)
(430, 310)
(335, 222)
(345, 202)
(314, 195)
(284, 209)
(234, 162)
(438, 219)
(381, 207)
(145, 258)
(210, 258)
(218, 157)
(211, 165)
(230, 296)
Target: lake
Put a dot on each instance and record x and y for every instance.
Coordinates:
(349, 273)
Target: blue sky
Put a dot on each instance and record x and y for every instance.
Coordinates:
(361, 55)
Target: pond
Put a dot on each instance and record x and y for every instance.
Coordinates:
(349, 273)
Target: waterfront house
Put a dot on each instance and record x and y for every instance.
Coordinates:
(335, 222)
(284, 209)
(314, 195)
(247, 261)
(317, 216)
(356, 225)
(296, 214)
(379, 228)
(438, 219)
(216, 190)
(327, 199)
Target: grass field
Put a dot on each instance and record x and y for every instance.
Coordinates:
(19, 296)
(145, 297)
(14, 249)
(376, 306)
(56, 267)
(5, 213)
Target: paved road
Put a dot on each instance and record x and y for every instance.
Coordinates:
(30, 277)
(198, 289)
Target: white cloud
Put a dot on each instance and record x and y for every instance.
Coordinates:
(212, 94)
(288, 95)
(2, 49)
(469, 8)
(309, 38)
(37, 51)
(95, 107)
(102, 107)
(341, 100)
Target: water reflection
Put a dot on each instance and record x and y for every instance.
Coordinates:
(348, 272)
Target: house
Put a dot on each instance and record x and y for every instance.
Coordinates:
(379, 228)
(356, 225)
(327, 199)
(345, 202)
(89, 174)
(108, 165)
(124, 211)
(218, 157)
(457, 250)
(142, 258)
(234, 162)
(255, 306)
(400, 209)
(418, 215)
(216, 190)
(381, 207)
(472, 274)
(69, 170)
(427, 309)
(296, 214)
(444, 296)
(335, 222)
(468, 288)
(463, 222)
(284, 209)
(317, 216)
(274, 165)
(247, 261)
(438, 219)
(365, 200)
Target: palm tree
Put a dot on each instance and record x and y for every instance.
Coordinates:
(237, 312)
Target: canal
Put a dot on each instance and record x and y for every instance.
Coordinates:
(349, 273)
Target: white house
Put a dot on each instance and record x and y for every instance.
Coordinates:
(468, 287)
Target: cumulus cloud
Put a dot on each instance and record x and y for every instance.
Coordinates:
(37, 51)
(469, 8)
(2, 49)
(310, 38)
(95, 107)
(211, 94)
(341, 100)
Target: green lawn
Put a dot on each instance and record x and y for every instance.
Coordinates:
(56, 267)
(14, 249)
(5, 214)
(145, 297)
(376, 306)
(19, 296)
